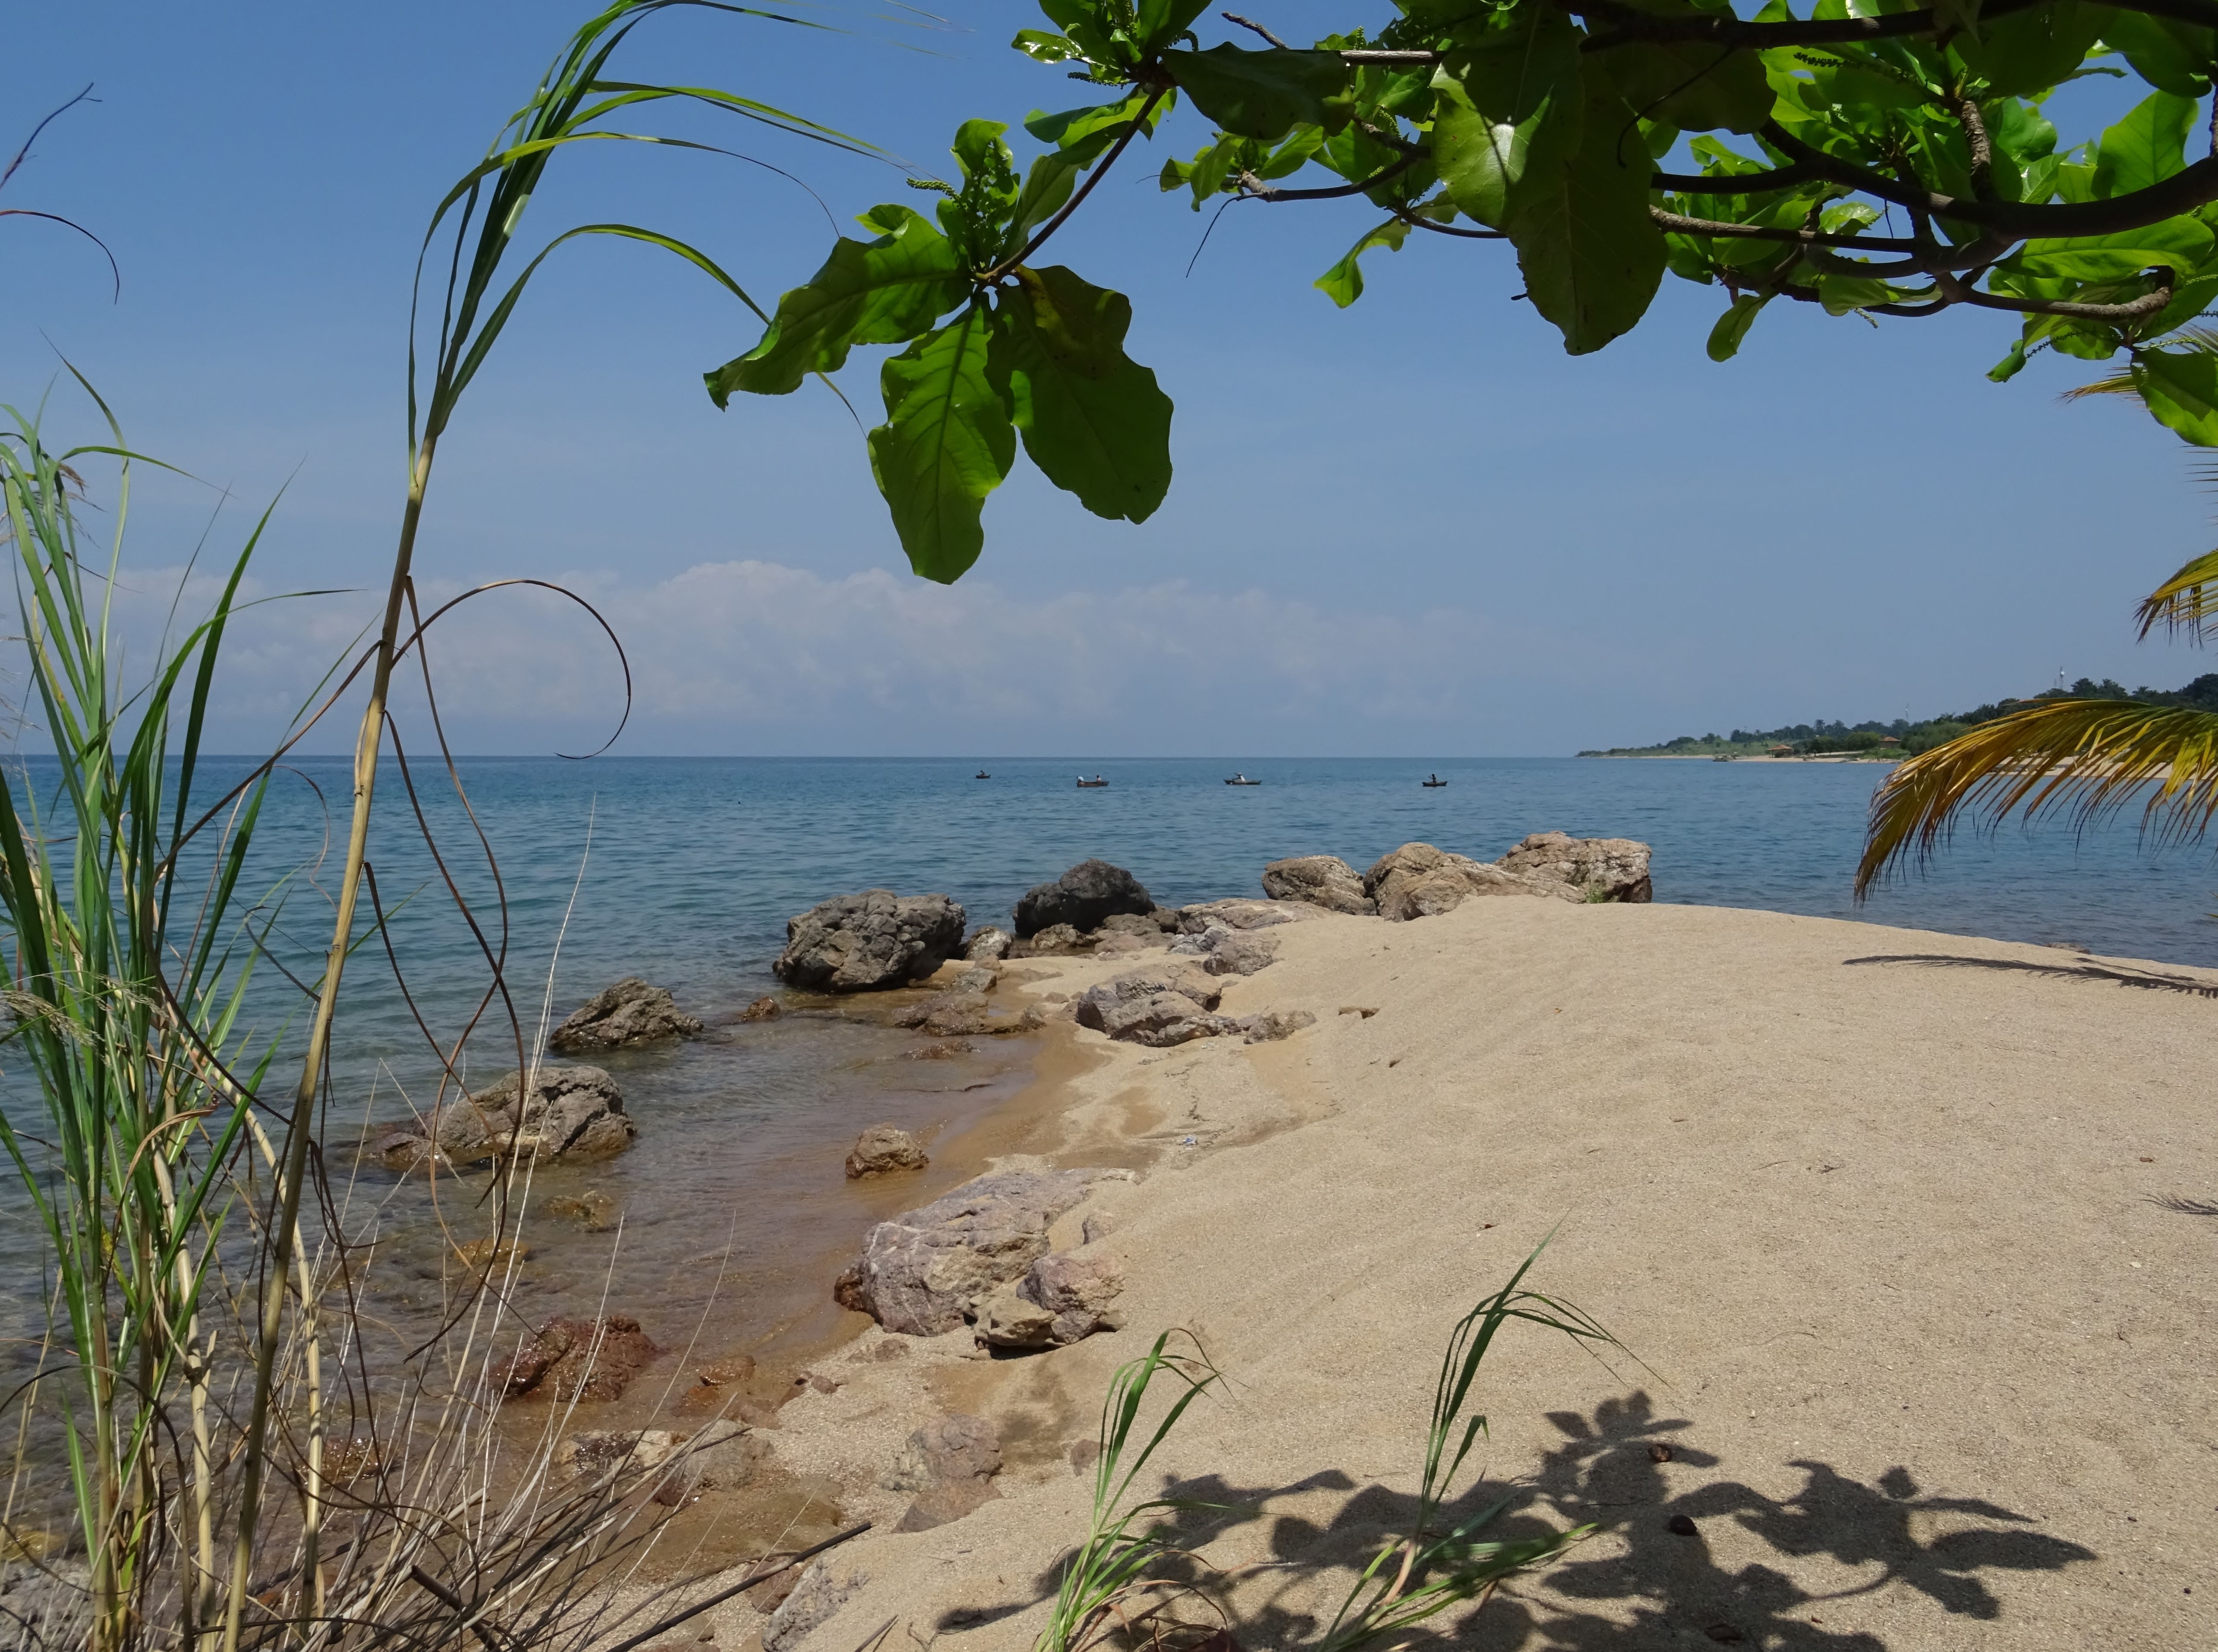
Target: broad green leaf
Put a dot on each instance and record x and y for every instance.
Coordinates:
(1343, 283)
(1591, 256)
(1691, 85)
(945, 444)
(2032, 50)
(1841, 293)
(1093, 420)
(1158, 23)
(1958, 16)
(2010, 365)
(1263, 95)
(1509, 107)
(1080, 137)
(881, 292)
(2180, 389)
(2179, 244)
(1732, 327)
(2147, 148)
(2172, 57)
(2190, 299)
(1041, 46)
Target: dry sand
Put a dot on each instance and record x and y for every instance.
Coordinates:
(1916, 1232)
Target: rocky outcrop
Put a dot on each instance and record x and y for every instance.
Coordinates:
(989, 946)
(1419, 881)
(885, 1150)
(571, 1113)
(1240, 913)
(577, 1359)
(1062, 1298)
(949, 1463)
(1236, 951)
(1600, 868)
(630, 1012)
(1323, 880)
(856, 943)
(1157, 1007)
(928, 1270)
(1082, 898)
(957, 1013)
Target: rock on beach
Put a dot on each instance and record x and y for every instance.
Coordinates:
(1084, 896)
(859, 943)
(1606, 868)
(885, 1150)
(1323, 880)
(630, 1012)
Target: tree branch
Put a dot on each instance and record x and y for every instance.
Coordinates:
(1234, 17)
(1101, 170)
(1680, 226)
(1983, 151)
(2138, 309)
(1416, 222)
(1778, 178)
(1256, 188)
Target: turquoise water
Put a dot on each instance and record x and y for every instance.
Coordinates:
(684, 870)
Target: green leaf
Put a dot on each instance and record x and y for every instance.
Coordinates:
(1160, 22)
(945, 444)
(2010, 365)
(2147, 146)
(2173, 56)
(1093, 420)
(1591, 255)
(1041, 46)
(2190, 299)
(1841, 293)
(1509, 107)
(2179, 244)
(1263, 95)
(1957, 17)
(1343, 283)
(1732, 327)
(1692, 84)
(879, 292)
(2180, 389)
(2032, 50)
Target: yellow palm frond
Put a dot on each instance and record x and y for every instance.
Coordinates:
(2188, 601)
(2085, 758)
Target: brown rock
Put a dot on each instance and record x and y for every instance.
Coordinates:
(763, 1008)
(577, 1359)
(885, 1150)
(1057, 940)
(592, 1210)
(945, 1049)
(1274, 1024)
(1156, 1008)
(951, 1462)
(1240, 914)
(1062, 1300)
(1323, 880)
(491, 1255)
(1600, 868)
(572, 1113)
(1235, 952)
(1418, 880)
(630, 1012)
(988, 945)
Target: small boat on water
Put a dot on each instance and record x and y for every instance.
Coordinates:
(983, 775)
(1242, 779)
(1087, 786)
(1432, 781)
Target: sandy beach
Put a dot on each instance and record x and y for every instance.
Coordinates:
(1913, 1233)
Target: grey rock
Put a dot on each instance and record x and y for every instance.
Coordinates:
(988, 945)
(1063, 1299)
(856, 943)
(1240, 913)
(1241, 952)
(47, 1605)
(951, 1448)
(979, 978)
(959, 1013)
(816, 1600)
(927, 1271)
(1083, 898)
(571, 1113)
(630, 1012)
(1158, 1008)
(1323, 880)
(1600, 868)
(1271, 1026)
(1057, 940)
(1011, 1319)
(1141, 925)
(885, 1150)
(1418, 880)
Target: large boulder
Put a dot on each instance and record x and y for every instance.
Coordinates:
(1158, 1008)
(1323, 880)
(1061, 1299)
(630, 1012)
(927, 1271)
(1419, 881)
(885, 1150)
(854, 943)
(1082, 898)
(571, 1113)
(1600, 868)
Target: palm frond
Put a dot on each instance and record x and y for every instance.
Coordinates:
(2188, 601)
(2085, 758)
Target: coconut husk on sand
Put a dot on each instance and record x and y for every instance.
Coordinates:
(1914, 1233)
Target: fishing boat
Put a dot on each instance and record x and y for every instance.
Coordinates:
(983, 775)
(1242, 779)
(1431, 782)
(1086, 785)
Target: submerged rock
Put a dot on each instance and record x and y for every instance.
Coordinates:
(856, 943)
(592, 1210)
(927, 1271)
(1323, 880)
(577, 1359)
(1089, 893)
(571, 1113)
(763, 1008)
(1600, 868)
(883, 1150)
(630, 1012)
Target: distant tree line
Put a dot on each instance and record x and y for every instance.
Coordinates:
(1901, 736)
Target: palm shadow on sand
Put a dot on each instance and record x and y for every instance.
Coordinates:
(2116, 975)
(1665, 1588)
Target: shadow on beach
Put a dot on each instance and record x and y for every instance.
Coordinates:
(1667, 1586)
(2187, 985)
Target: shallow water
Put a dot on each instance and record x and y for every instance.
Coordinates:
(684, 870)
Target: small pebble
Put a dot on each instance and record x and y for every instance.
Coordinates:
(1725, 1633)
(1683, 1526)
(1659, 1452)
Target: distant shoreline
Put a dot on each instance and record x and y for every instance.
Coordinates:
(1751, 757)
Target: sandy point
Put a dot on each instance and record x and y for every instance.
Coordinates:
(1912, 1234)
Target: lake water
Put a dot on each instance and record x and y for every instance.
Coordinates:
(684, 870)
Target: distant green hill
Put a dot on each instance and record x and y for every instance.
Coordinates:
(1865, 739)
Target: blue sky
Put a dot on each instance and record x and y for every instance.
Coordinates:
(1415, 527)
